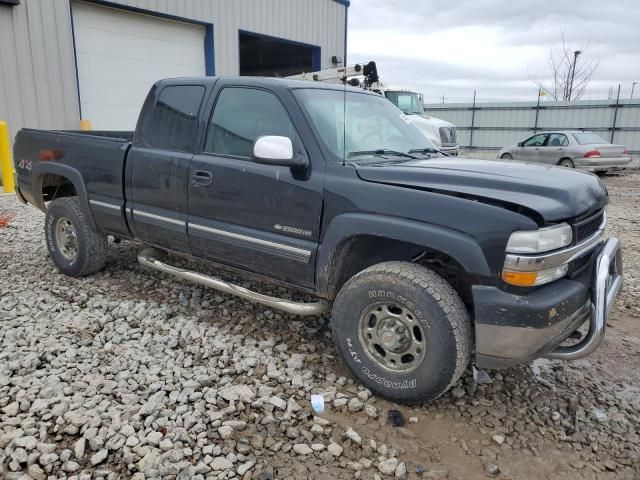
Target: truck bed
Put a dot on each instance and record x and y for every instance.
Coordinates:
(99, 155)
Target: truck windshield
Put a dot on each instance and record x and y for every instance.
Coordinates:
(357, 125)
(408, 102)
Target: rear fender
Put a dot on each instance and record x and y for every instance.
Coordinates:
(43, 168)
(460, 247)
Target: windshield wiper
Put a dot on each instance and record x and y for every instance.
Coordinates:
(428, 150)
(381, 151)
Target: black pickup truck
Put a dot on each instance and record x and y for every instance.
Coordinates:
(426, 263)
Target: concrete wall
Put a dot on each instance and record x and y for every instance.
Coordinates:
(38, 86)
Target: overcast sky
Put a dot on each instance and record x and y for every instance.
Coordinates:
(443, 47)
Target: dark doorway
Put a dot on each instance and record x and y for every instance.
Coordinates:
(265, 56)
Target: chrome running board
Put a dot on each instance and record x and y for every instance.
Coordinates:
(148, 259)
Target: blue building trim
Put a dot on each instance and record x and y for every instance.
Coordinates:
(346, 3)
(209, 51)
(154, 13)
(75, 58)
(316, 55)
(346, 29)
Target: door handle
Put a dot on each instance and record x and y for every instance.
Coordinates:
(202, 178)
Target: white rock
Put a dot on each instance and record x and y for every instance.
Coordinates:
(245, 467)
(28, 443)
(79, 448)
(302, 449)
(154, 438)
(335, 449)
(48, 458)
(225, 432)
(278, 403)
(99, 456)
(6, 437)
(352, 435)
(355, 404)
(498, 439)
(12, 409)
(388, 467)
(401, 470)
(220, 463)
(234, 393)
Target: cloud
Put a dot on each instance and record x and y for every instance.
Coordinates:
(493, 46)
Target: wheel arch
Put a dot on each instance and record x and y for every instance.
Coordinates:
(562, 159)
(354, 242)
(47, 174)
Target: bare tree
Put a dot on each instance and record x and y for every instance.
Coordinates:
(570, 73)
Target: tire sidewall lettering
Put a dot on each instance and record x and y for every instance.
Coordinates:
(390, 295)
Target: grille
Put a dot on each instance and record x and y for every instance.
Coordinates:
(448, 136)
(586, 228)
(579, 263)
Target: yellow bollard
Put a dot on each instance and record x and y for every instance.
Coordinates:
(6, 165)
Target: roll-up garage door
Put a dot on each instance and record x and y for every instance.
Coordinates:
(120, 54)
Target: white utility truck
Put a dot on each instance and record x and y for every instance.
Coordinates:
(440, 132)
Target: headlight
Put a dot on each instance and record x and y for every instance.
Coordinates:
(541, 240)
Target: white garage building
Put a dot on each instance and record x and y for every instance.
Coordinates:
(66, 60)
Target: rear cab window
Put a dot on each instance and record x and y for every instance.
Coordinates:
(173, 123)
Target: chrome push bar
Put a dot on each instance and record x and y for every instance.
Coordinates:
(607, 282)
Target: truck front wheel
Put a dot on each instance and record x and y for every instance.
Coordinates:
(73, 246)
(402, 330)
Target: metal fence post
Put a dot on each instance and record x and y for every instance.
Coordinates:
(6, 165)
(535, 127)
(615, 115)
(473, 120)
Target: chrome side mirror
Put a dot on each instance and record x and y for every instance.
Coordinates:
(276, 150)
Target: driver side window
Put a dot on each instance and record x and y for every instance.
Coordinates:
(240, 116)
(536, 140)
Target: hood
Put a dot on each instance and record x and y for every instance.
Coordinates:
(428, 128)
(546, 192)
(437, 122)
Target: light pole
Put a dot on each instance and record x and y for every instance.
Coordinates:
(633, 86)
(573, 71)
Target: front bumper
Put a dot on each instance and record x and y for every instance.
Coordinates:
(513, 329)
(450, 150)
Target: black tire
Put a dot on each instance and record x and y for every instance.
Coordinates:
(567, 163)
(421, 294)
(507, 156)
(90, 250)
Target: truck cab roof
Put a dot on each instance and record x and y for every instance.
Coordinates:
(266, 82)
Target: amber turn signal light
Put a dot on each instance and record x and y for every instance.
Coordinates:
(520, 279)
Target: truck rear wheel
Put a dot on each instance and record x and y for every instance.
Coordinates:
(402, 330)
(73, 246)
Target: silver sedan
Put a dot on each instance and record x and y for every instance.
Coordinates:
(573, 149)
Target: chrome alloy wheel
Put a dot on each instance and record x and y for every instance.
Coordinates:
(66, 238)
(392, 337)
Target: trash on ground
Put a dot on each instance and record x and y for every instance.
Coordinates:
(5, 218)
(317, 403)
(396, 418)
(480, 376)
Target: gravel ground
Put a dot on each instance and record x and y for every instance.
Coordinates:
(132, 374)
